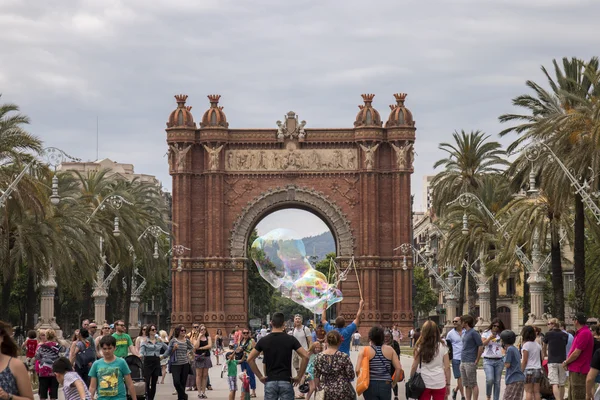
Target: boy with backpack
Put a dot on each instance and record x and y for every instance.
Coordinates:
(83, 355)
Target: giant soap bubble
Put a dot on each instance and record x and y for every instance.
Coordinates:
(281, 261)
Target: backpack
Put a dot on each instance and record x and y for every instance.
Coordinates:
(86, 356)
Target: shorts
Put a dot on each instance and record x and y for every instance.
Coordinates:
(232, 381)
(533, 375)
(29, 363)
(468, 373)
(557, 374)
(355, 342)
(456, 369)
(514, 391)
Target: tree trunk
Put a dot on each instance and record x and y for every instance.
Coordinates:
(472, 296)
(127, 299)
(32, 301)
(579, 255)
(493, 296)
(461, 295)
(557, 274)
(526, 298)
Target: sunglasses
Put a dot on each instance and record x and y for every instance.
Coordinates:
(195, 327)
(245, 333)
(496, 326)
(183, 330)
(456, 322)
(106, 327)
(120, 325)
(93, 327)
(152, 329)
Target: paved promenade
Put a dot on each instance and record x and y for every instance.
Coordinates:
(221, 391)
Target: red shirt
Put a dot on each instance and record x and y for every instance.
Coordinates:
(583, 341)
(31, 346)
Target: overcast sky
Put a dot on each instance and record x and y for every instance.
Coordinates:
(461, 62)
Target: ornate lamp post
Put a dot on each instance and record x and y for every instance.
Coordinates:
(535, 269)
(136, 290)
(533, 152)
(53, 157)
(102, 283)
(449, 288)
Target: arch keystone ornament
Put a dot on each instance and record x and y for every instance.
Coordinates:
(225, 180)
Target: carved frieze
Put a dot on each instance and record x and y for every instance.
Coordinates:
(291, 160)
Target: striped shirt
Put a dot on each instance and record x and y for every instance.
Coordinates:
(181, 354)
(379, 367)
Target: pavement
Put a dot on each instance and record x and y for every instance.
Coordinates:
(221, 390)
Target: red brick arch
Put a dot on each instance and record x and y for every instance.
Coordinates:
(225, 180)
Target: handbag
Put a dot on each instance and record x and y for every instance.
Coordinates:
(415, 385)
(362, 382)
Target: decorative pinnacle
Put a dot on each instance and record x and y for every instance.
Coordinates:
(189, 108)
(400, 97)
(367, 98)
(214, 99)
(393, 107)
(361, 106)
(181, 98)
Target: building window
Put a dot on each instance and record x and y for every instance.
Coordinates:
(569, 283)
(510, 287)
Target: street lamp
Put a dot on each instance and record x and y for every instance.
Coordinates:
(178, 251)
(465, 224)
(533, 152)
(53, 157)
(155, 231)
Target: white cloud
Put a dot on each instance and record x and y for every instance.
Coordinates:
(66, 62)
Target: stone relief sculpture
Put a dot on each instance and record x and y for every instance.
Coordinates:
(403, 155)
(351, 159)
(214, 156)
(291, 128)
(179, 153)
(290, 159)
(369, 155)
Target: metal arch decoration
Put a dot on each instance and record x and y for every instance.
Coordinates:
(114, 200)
(533, 151)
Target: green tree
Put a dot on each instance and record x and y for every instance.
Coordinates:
(563, 118)
(260, 293)
(425, 297)
(470, 159)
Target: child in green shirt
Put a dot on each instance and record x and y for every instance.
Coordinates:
(232, 364)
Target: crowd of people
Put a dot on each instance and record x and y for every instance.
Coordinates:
(299, 361)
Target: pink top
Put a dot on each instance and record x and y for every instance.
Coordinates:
(583, 341)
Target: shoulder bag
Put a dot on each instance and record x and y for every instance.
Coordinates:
(415, 385)
(362, 382)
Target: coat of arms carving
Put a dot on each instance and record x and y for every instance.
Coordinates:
(290, 128)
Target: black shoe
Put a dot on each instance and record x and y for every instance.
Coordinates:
(454, 393)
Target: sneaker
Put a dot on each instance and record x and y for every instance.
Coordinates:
(454, 392)
(209, 387)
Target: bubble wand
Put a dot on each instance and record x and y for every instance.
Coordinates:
(357, 280)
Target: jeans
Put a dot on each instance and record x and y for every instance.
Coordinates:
(493, 374)
(246, 367)
(180, 374)
(279, 390)
(378, 390)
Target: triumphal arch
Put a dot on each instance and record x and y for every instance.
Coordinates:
(225, 180)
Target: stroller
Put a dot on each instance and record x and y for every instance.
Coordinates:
(137, 375)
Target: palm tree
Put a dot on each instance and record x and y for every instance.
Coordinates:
(470, 159)
(552, 117)
(16, 149)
